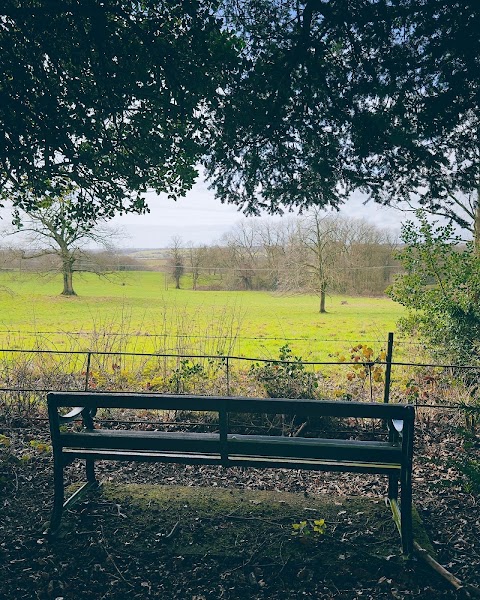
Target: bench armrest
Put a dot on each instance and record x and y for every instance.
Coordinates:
(72, 415)
(398, 425)
(75, 413)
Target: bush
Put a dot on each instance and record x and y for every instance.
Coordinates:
(286, 377)
(440, 288)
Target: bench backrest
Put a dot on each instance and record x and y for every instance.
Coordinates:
(229, 405)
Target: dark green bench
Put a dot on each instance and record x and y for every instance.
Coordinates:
(391, 457)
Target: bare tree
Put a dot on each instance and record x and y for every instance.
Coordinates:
(196, 261)
(368, 259)
(314, 251)
(255, 252)
(329, 252)
(243, 253)
(176, 263)
(273, 237)
(57, 229)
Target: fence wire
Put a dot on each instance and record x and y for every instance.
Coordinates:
(27, 375)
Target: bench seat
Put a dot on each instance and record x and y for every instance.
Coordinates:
(134, 445)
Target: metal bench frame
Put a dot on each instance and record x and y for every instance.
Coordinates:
(392, 458)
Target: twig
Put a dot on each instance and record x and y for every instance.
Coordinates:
(110, 557)
(468, 589)
(172, 531)
(300, 429)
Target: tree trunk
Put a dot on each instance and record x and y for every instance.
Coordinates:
(67, 268)
(322, 300)
(476, 225)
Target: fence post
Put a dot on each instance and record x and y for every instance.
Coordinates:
(87, 371)
(227, 367)
(388, 369)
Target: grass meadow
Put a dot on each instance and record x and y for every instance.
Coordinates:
(142, 312)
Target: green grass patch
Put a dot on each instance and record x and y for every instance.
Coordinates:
(139, 305)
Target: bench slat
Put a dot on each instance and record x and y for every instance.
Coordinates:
(260, 462)
(315, 448)
(185, 458)
(245, 445)
(142, 440)
(315, 465)
(311, 408)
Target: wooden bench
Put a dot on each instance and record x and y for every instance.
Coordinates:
(391, 457)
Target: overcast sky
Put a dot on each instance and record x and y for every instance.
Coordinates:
(200, 218)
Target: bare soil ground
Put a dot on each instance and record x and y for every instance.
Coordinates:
(227, 533)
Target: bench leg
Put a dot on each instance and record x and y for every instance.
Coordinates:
(58, 494)
(406, 513)
(392, 487)
(90, 470)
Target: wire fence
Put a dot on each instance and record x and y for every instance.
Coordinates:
(195, 339)
(283, 339)
(27, 375)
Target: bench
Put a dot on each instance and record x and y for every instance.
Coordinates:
(391, 457)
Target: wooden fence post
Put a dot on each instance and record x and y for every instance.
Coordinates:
(388, 369)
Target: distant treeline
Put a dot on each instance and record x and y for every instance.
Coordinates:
(315, 253)
(104, 261)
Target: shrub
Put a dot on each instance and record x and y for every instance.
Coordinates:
(186, 376)
(364, 367)
(440, 288)
(286, 377)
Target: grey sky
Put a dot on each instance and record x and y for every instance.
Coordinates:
(200, 218)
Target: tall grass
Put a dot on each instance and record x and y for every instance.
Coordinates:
(115, 359)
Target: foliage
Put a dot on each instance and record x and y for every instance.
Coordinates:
(467, 461)
(364, 363)
(363, 366)
(287, 377)
(186, 377)
(40, 447)
(335, 96)
(5, 441)
(110, 97)
(441, 289)
(312, 527)
(287, 103)
(471, 470)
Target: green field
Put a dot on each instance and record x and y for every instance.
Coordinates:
(137, 311)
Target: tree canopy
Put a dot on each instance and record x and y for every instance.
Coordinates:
(108, 97)
(287, 103)
(376, 95)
